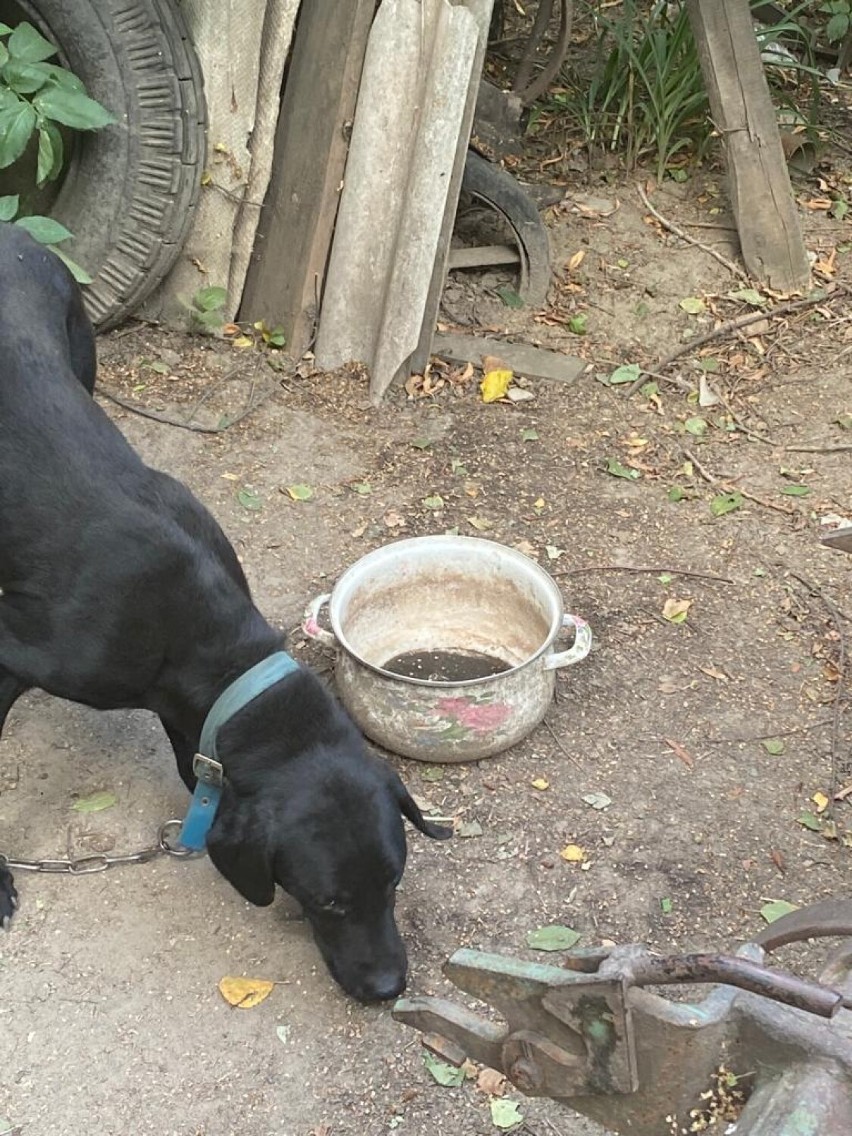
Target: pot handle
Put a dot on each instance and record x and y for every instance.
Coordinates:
(582, 644)
(310, 622)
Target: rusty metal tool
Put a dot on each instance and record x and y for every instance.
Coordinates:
(590, 1033)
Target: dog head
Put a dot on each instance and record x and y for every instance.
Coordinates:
(325, 824)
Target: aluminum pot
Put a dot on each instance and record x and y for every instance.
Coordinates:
(457, 595)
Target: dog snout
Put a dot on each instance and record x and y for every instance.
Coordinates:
(381, 987)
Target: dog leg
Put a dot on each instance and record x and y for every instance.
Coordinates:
(184, 753)
(10, 690)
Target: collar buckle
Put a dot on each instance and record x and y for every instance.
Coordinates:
(208, 770)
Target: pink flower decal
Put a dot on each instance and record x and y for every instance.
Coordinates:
(478, 716)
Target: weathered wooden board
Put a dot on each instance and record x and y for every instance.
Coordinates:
(285, 279)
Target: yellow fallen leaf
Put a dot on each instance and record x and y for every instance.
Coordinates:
(541, 783)
(820, 800)
(494, 385)
(242, 341)
(573, 853)
(576, 260)
(245, 992)
(675, 611)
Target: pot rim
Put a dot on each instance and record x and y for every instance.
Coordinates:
(529, 565)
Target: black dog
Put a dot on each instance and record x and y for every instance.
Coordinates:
(118, 589)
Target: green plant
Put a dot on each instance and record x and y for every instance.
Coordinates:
(644, 95)
(37, 98)
(840, 19)
(206, 309)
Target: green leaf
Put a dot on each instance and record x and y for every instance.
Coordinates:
(8, 206)
(45, 157)
(96, 803)
(725, 503)
(210, 298)
(597, 801)
(300, 492)
(627, 373)
(808, 820)
(844, 421)
(666, 906)
(837, 27)
(5, 30)
(505, 1113)
(578, 325)
(749, 296)
(695, 426)
(839, 209)
(469, 829)
(63, 78)
(777, 908)
(71, 108)
(77, 271)
(211, 320)
(422, 443)
(709, 364)
(249, 499)
(45, 230)
(57, 147)
(510, 297)
(28, 45)
(24, 78)
(529, 435)
(16, 127)
(775, 746)
(6, 1128)
(692, 304)
(676, 493)
(436, 501)
(447, 1075)
(796, 490)
(8, 98)
(618, 470)
(364, 488)
(552, 938)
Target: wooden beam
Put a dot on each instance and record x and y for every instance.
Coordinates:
(759, 183)
(285, 278)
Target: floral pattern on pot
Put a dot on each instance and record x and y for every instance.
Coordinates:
(455, 719)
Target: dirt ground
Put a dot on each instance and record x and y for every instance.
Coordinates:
(708, 738)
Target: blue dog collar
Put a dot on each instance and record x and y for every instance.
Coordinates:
(206, 766)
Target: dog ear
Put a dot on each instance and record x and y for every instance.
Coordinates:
(238, 848)
(408, 808)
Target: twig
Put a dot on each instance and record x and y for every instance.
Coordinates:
(839, 694)
(725, 329)
(729, 264)
(565, 752)
(772, 734)
(715, 481)
(635, 568)
(184, 425)
(841, 449)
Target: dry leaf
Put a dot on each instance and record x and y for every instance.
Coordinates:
(684, 756)
(576, 260)
(394, 520)
(573, 853)
(492, 363)
(245, 992)
(713, 672)
(540, 783)
(675, 611)
(777, 859)
(491, 1082)
(495, 384)
(821, 801)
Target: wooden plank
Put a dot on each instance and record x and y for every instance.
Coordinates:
(481, 10)
(522, 358)
(759, 183)
(285, 278)
(483, 256)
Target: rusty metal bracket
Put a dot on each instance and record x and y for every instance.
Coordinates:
(591, 1035)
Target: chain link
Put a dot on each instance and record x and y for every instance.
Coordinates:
(99, 861)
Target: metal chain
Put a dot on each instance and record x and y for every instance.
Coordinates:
(99, 861)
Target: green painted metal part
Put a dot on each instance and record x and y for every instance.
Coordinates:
(588, 1033)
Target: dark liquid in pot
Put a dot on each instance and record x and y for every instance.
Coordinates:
(446, 666)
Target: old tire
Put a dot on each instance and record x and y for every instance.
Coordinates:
(130, 190)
